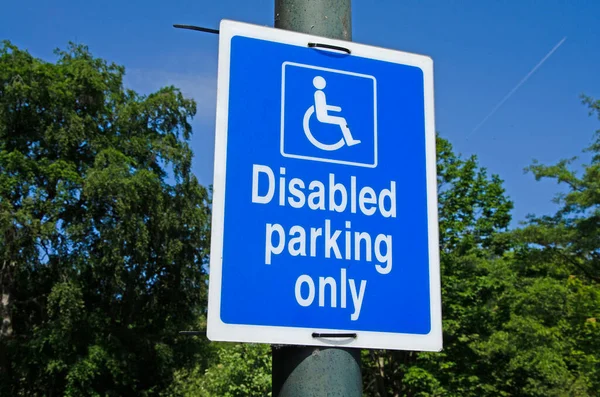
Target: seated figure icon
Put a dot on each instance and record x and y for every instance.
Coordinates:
(322, 111)
(328, 115)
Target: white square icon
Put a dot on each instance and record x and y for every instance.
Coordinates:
(328, 115)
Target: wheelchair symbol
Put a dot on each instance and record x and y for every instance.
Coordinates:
(322, 109)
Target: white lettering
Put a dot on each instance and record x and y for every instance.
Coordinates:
(391, 194)
(357, 299)
(314, 233)
(299, 241)
(387, 258)
(366, 237)
(357, 294)
(333, 188)
(328, 242)
(337, 196)
(319, 195)
(269, 248)
(348, 241)
(353, 194)
(332, 287)
(282, 186)
(343, 288)
(331, 241)
(256, 198)
(367, 196)
(311, 290)
(298, 200)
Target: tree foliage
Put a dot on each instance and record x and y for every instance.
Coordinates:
(550, 341)
(473, 212)
(235, 370)
(103, 229)
(520, 307)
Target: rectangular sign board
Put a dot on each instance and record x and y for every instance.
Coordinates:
(325, 201)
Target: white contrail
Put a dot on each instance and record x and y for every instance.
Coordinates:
(523, 80)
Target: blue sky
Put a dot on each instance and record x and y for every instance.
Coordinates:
(481, 50)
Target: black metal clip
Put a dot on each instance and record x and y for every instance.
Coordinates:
(198, 28)
(330, 47)
(321, 335)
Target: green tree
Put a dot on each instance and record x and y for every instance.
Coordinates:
(520, 307)
(473, 213)
(103, 229)
(236, 370)
(548, 340)
(572, 235)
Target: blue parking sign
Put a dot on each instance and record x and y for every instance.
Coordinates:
(324, 205)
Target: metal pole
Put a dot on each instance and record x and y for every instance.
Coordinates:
(300, 371)
(327, 18)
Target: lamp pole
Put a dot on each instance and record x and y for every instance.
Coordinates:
(303, 371)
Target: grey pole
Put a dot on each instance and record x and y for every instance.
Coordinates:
(300, 371)
(327, 18)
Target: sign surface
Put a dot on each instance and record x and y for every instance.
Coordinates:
(324, 205)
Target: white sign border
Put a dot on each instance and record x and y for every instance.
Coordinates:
(217, 330)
